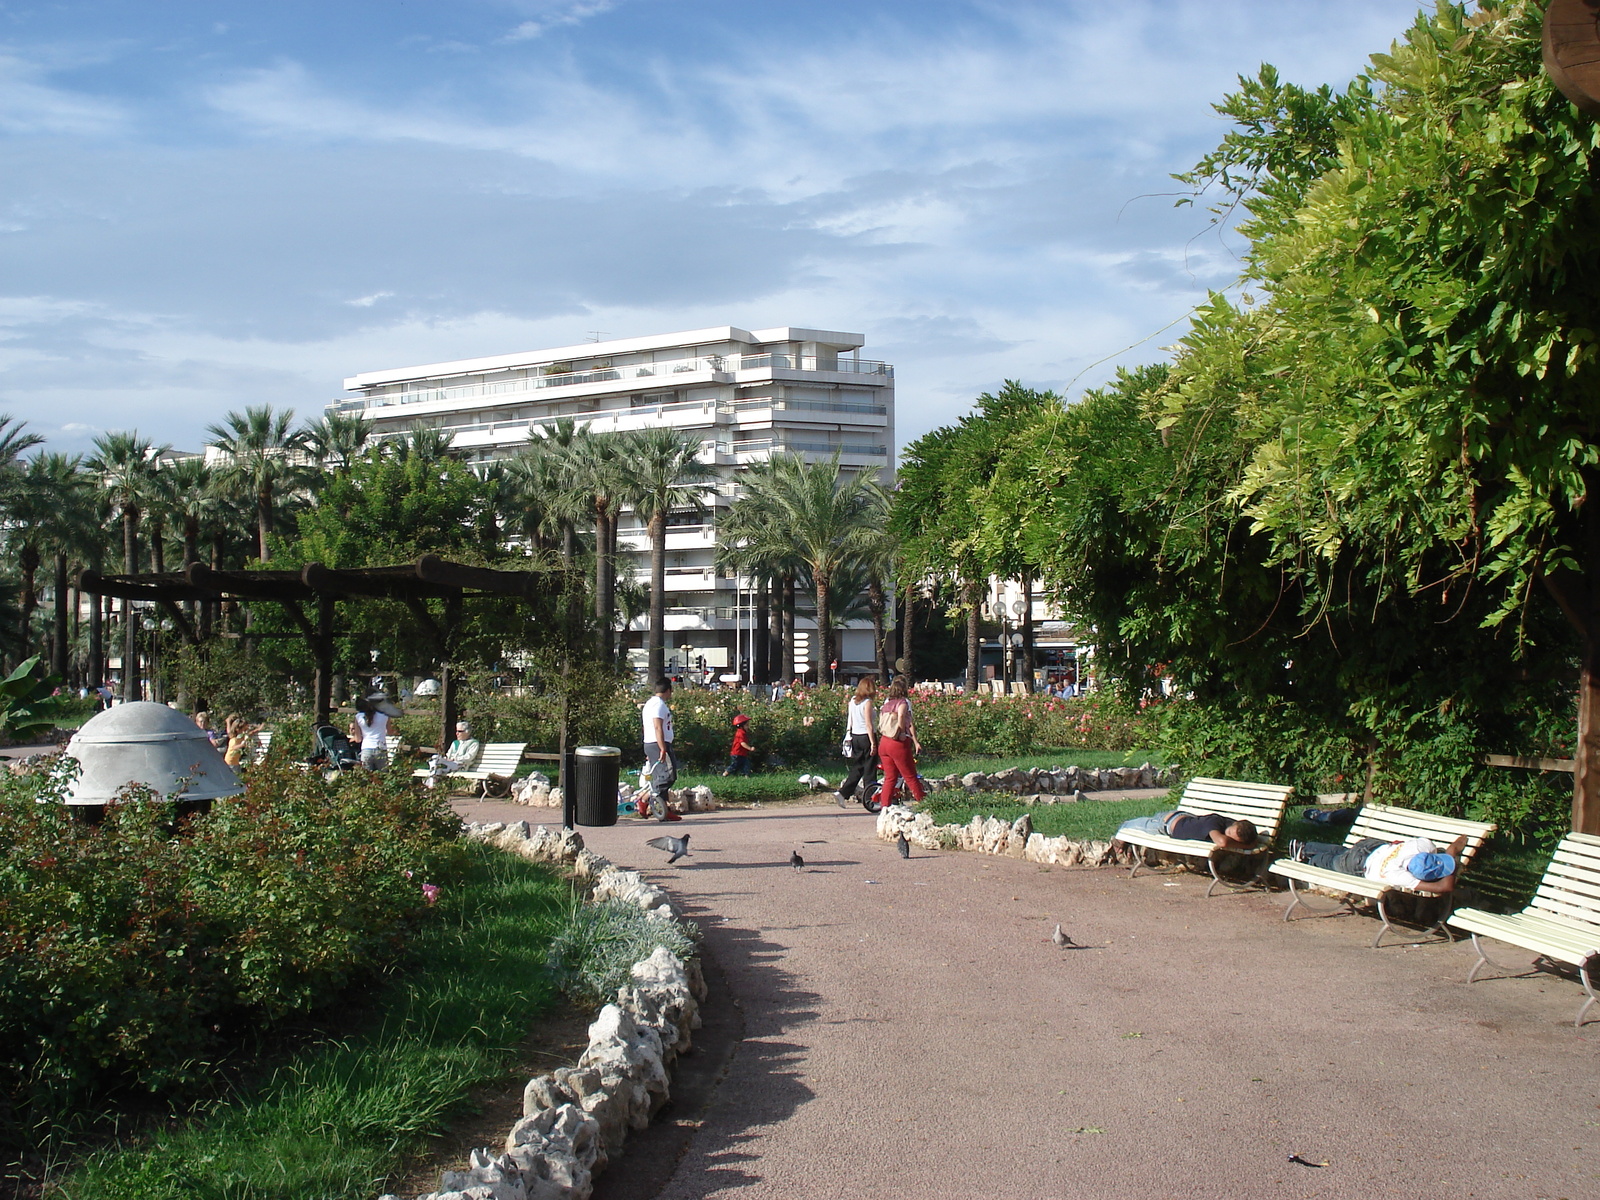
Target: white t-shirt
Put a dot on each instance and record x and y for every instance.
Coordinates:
(653, 708)
(1387, 864)
(857, 720)
(373, 730)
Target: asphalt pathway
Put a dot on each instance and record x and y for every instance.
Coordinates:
(909, 1030)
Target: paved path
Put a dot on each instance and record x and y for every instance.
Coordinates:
(909, 1031)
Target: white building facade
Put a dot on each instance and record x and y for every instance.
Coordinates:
(748, 394)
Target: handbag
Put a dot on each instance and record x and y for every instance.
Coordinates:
(891, 721)
(845, 748)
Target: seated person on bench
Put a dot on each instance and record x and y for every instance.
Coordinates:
(1197, 827)
(1414, 863)
(462, 755)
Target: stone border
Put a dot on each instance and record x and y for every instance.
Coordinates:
(575, 1119)
(1058, 785)
(991, 835)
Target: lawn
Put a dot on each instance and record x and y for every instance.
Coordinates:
(767, 786)
(335, 1116)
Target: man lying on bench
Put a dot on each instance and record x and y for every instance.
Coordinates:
(1197, 827)
(1414, 863)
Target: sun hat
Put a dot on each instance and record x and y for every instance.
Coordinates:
(741, 719)
(1429, 867)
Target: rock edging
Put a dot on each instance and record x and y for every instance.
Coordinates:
(991, 835)
(575, 1119)
(1058, 785)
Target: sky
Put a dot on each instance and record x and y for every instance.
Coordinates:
(210, 205)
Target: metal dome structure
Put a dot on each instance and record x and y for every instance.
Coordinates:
(152, 745)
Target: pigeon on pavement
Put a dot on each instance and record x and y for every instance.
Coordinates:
(795, 860)
(677, 846)
(1060, 938)
(902, 845)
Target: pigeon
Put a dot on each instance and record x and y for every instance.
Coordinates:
(817, 781)
(1060, 938)
(676, 845)
(903, 846)
(795, 860)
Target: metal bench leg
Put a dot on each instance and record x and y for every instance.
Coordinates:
(1138, 859)
(1383, 915)
(1294, 900)
(1588, 986)
(1483, 960)
(1217, 879)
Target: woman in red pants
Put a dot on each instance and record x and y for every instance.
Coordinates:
(897, 746)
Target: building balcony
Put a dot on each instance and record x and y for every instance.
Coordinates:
(791, 445)
(713, 368)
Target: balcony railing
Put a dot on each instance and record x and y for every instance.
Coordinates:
(777, 405)
(627, 373)
(757, 445)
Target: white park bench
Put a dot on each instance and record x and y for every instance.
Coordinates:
(1262, 804)
(263, 743)
(1562, 923)
(498, 758)
(1390, 824)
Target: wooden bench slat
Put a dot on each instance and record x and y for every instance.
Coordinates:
(1576, 885)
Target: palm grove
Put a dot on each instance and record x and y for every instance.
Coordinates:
(280, 495)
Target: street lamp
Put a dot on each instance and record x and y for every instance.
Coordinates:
(685, 650)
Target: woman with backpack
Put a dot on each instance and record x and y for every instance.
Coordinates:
(862, 744)
(897, 746)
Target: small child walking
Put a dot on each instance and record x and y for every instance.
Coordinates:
(739, 752)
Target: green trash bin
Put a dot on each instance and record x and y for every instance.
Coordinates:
(596, 770)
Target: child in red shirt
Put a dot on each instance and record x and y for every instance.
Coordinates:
(739, 752)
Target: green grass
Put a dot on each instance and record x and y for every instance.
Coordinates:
(1083, 820)
(335, 1118)
(765, 786)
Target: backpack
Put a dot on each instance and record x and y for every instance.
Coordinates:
(892, 720)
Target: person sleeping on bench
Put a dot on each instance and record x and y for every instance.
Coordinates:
(1414, 863)
(1223, 831)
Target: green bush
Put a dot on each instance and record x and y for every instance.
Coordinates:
(135, 947)
(808, 726)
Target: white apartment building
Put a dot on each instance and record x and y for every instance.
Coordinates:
(747, 393)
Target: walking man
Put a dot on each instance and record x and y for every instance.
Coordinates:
(661, 765)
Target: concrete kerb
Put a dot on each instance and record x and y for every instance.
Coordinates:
(576, 1119)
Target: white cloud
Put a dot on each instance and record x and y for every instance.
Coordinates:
(30, 105)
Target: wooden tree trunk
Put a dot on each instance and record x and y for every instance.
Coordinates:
(761, 641)
(1029, 663)
(824, 589)
(786, 646)
(95, 668)
(908, 648)
(974, 634)
(130, 633)
(28, 562)
(876, 602)
(655, 645)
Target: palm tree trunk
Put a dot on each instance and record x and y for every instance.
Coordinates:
(263, 520)
(823, 586)
(158, 546)
(786, 642)
(130, 636)
(655, 647)
(876, 602)
(604, 589)
(761, 647)
(96, 666)
(58, 657)
(908, 648)
(28, 564)
(969, 592)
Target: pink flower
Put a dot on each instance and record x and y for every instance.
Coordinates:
(407, 874)
(430, 892)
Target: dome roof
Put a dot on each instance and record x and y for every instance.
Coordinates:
(150, 744)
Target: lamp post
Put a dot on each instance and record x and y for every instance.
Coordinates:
(686, 649)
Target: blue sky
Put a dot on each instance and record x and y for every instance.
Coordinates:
(208, 205)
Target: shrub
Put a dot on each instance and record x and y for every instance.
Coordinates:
(131, 949)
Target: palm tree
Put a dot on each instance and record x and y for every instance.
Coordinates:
(745, 547)
(262, 453)
(337, 440)
(426, 443)
(551, 489)
(600, 476)
(827, 517)
(668, 477)
(125, 462)
(46, 513)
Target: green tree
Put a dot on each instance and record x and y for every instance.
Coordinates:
(125, 463)
(263, 460)
(668, 477)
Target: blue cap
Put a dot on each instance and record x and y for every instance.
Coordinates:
(1429, 867)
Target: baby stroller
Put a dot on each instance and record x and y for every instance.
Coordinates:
(332, 752)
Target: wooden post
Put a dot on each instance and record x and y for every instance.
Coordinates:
(447, 672)
(322, 647)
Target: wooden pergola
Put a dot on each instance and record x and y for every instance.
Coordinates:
(311, 594)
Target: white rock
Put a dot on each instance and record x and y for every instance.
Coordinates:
(486, 1178)
(556, 1152)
